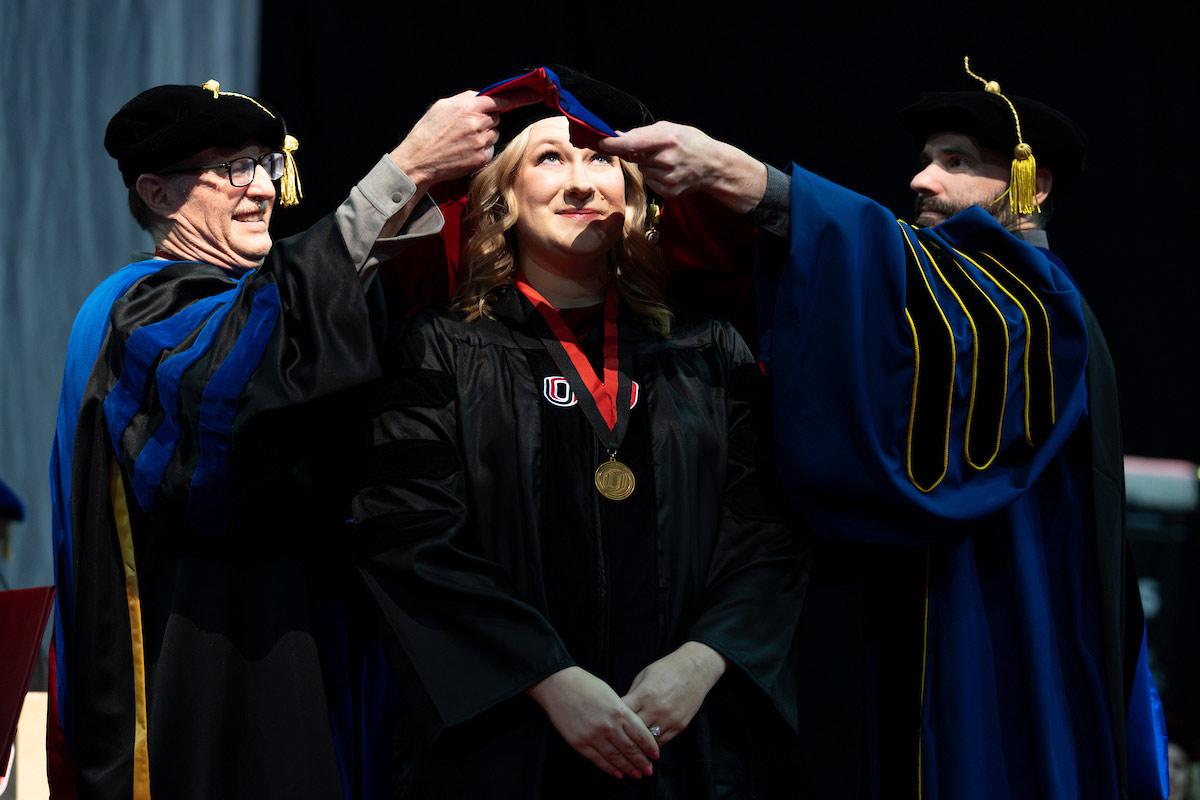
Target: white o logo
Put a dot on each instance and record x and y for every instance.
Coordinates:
(558, 391)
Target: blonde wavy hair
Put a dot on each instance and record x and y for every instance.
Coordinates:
(490, 252)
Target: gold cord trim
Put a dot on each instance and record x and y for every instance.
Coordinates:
(905, 229)
(1049, 351)
(141, 750)
(215, 87)
(1024, 351)
(912, 409)
(974, 350)
(1007, 348)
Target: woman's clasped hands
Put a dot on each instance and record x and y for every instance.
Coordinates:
(622, 735)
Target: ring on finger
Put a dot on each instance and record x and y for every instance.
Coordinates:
(655, 731)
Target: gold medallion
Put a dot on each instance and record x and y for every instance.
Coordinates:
(614, 480)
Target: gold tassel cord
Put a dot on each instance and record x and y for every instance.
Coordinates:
(215, 87)
(1022, 184)
(290, 192)
(289, 186)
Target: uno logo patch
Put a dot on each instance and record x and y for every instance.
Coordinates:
(556, 389)
(558, 392)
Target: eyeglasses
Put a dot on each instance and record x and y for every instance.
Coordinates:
(241, 170)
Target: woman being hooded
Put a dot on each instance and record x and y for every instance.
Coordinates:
(571, 527)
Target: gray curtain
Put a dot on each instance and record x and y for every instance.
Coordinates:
(65, 67)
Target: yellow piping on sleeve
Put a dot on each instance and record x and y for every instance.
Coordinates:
(905, 230)
(1049, 349)
(912, 411)
(974, 354)
(1007, 346)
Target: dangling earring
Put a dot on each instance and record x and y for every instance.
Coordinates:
(653, 212)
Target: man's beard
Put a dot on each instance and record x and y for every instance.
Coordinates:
(997, 207)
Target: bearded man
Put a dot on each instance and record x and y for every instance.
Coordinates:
(947, 421)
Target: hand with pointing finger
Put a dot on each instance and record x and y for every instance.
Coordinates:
(679, 159)
(455, 137)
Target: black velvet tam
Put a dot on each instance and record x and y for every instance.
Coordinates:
(166, 124)
(594, 108)
(1056, 142)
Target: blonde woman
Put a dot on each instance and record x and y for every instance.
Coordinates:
(569, 527)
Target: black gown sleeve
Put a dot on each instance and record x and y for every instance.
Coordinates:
(233, 398)
(759, 569)
(450, 617)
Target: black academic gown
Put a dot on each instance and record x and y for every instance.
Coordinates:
(206, 447)
(496, 563)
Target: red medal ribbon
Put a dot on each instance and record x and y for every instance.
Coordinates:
(603, 393)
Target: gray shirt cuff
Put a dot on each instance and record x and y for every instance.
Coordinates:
(376, 199)
(773, 214)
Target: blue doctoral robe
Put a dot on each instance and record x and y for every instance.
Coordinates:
(204, 456)
(931, 391)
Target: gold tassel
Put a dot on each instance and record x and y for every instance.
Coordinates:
(289, 186)
(1022, 183)
(1022, 186)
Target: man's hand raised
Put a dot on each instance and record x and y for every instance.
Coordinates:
(455, 137)
(679, 159)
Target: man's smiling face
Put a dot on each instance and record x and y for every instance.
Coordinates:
(226, 223)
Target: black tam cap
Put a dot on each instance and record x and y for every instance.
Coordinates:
(166, 124)
(986, 115)
(594, 108)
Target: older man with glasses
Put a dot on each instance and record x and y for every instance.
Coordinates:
(205, 450)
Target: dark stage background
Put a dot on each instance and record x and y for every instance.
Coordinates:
(820, 88)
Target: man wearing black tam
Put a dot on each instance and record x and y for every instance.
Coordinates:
(946, 413)
(205, 450)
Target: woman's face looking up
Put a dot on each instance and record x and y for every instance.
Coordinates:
(570, 201)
